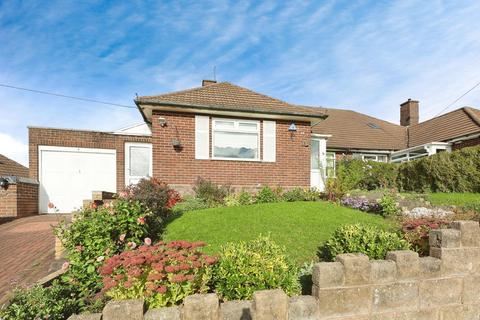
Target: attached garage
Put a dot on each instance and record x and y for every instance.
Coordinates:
(67, 176)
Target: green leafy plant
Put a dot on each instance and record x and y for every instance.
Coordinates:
(210, 192)
(163, 274)
(189, 204)
(267, 195)
(245, 198)
(388, 205)
(373, 242)
(98, 233)
(58, 301)
(369, 175)
(232, 200)
(333, 190)
(295, 194)
(246, 267)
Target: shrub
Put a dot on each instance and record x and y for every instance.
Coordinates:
(154, 195)
(98, 233)
(246, 267)
(295, 194)
(373, 242)
(417, 233)
(232, 200)
(267, 195)
(388, 205)
(458, 171)
(333, 190)
(358, 174)
(361, 204)
(189, 204)
(312, 194)
(163, 274)
(211, 193)
(245, 198)
(58, 301)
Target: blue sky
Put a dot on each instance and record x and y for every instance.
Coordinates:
(368, 56)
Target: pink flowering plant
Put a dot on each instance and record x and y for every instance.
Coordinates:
(163, 274)
(101, 232)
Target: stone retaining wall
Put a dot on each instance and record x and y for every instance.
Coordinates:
(443, 286)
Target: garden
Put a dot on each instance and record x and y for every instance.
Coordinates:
(151, 243)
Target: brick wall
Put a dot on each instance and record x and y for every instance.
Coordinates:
(180, 168)
(80, 139)
(443, 286)
(19, 199)
(467, 143)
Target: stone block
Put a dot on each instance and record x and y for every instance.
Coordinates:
(470, 232)
(87, 316)
(471, 290)
(383, 271)
(410, 315)
(430, 267)
(328, 274)
(270, 305)
(460, 312)
(303, 308)
(395, 297)
(457, 260)
(440, 292)
(171, 313)
(357, 268)
(407, 262)
(200, 307)
(444, 238)
(236, 310)
(123, 310)
(353, 301)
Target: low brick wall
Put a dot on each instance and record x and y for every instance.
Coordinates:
(19, 199)
(444, 286)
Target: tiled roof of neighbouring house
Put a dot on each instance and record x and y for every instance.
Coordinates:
(457, 123)
(8, 167)
(353, 130)
(228, 97)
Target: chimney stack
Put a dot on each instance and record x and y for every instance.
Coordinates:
(208, 82)
(409, 113)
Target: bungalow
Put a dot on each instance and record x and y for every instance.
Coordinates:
(231, 135)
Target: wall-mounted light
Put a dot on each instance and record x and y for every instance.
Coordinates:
(3, 183)
(293, 127)
(162, 121)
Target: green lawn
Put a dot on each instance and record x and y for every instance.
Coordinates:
(299, 226)
(456, 199)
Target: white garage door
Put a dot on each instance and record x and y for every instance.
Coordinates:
(69, 175)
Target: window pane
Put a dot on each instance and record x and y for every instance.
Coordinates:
(382, 158)
(250, 126)
(369, 158)
(220, 124)
(315, 155)
(236, 145)
(139, 161)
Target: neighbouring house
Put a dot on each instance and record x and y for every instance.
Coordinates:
(231, 135)
(9, 167)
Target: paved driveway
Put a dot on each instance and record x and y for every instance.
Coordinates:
(27, 248)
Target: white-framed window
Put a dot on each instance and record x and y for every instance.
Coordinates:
(235, 139)
(371, 157)
(331, 161)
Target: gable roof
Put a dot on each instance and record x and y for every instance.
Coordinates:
(8, 167)
(451, 125)
(354, 130)
(224, 96)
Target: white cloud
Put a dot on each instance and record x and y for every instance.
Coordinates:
(13, 149)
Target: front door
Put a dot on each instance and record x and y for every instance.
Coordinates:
(318, 163)
(138, 162)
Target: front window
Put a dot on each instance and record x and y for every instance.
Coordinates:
(236, 139)
(371, 157)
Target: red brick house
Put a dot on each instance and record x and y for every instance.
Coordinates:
(231, 135)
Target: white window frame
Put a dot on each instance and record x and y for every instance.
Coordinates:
(236, 130)
(363, 155)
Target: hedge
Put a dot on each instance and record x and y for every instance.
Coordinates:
(457, 171)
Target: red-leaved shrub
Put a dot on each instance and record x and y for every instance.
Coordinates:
(163, 274)
(417, 230)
